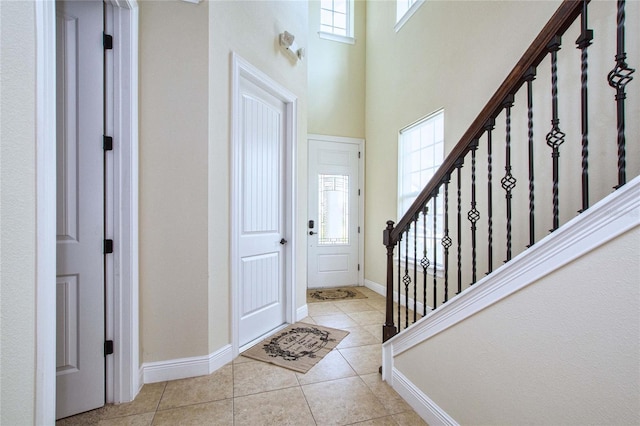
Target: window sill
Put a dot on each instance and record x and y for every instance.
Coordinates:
(338, 38)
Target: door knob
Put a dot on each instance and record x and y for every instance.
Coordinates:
(283, 241)
(312, 233)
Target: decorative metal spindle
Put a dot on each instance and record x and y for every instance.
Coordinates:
(583, 42)
(618, 78)
(446, 240)
(435, 252)
(508, 181)
(406, 280)
(424, 262)
(489, 128)
(459, 222)
(529, 77)
(555, 137)
(399, 280)
(473, 214)
(415, 267)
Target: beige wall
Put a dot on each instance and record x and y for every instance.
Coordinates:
(337, 78)
(173, 179)
(553, 353)
(17, 212)
(250, 29)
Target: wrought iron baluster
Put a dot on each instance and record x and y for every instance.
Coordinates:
(406, 280)
(459, 222)
(618, 78)
(555, 137)
(446, 240)
(435, 251)
(584, 41)
(424, 262)
(489, 128)
(508, 181)
(399, 279)
(473, 215)
(529, 77)
(415, 267)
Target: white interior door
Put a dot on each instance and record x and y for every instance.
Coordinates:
(333, 214)
(80, 372)
(262, 209)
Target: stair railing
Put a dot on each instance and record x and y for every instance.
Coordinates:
(422, 216)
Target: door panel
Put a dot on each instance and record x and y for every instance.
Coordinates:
(262, 280)
(80, 208)
(333, 208)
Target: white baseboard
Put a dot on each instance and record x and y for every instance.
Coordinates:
(421, 403)
(183, 368)
(302, 312)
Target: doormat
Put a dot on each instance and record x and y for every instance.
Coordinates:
(331, 294)
(298, 347)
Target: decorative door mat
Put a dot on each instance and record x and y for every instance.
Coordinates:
(331, 294)
(298, 347)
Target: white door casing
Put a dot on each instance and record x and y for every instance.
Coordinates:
(80, 360)
(123, 380)
(262, 242)
(334, 225)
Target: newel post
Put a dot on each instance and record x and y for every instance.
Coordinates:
(388, 329)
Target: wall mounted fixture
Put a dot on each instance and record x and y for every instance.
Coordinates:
(288, 41)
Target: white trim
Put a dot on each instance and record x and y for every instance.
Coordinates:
(421, 403)
(336, 37)
(382, 290)
(609, 218)
(122, 322)
(408, 14)
(361, 186)
(183, 368)
(302, 312)
(45, 380)
(243, 69)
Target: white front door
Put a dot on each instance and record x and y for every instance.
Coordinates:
(333, 214)
(262, 238)
(80, 362)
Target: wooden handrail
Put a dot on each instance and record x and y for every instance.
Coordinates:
(561, 20)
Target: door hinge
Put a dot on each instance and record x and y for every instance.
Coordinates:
(107, 41)
(358, 266)
(358, 192)
(108, 347)
(358, 229)
(358, 154)
(108, 246)
(107, 143)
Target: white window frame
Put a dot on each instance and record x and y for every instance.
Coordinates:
(405, 10)
(434, 143)
(349, 37)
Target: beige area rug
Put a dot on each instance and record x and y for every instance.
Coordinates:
(298, 347)
(331, 294)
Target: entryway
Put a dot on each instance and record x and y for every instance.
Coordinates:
(335, 212)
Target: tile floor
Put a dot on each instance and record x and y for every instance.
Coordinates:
(344, 388)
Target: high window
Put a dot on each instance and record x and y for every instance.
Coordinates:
(336, 20)
(420, 154)
(404, 10)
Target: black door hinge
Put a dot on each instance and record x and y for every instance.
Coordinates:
(108, 347)
(358, 192)
(358, 266)
(358, 154)
(107, 41)
(108, 246)
(107, 143)
(358, 229)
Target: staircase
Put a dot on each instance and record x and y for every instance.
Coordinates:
(531, 313)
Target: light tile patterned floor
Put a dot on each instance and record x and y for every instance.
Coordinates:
(344, 388)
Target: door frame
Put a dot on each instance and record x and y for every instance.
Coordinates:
(242, 69)
(361, 181)
(123, 368)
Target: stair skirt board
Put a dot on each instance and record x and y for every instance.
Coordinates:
(182, 368)
(609, 218)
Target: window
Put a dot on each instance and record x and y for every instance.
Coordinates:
(336, 20)
(420, 154)
(404, 10)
